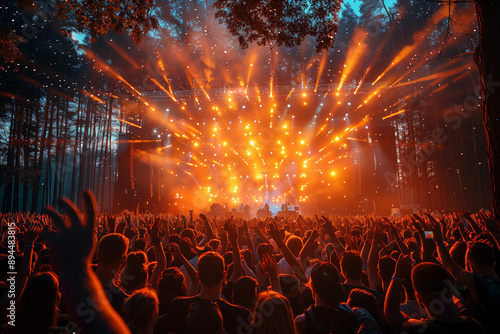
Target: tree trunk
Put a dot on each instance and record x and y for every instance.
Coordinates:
(75, 147)
(488, 12)
(41, 147)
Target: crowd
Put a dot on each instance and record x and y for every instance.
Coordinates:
(68, 272)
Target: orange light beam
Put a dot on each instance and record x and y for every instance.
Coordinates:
(321, 67)
(92, 96)
(354, 54)
(127, 122)
(163, 89)
(394, 114)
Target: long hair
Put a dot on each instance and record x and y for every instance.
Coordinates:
(273, 314)
(171, 285)
(140, 309)
(37, 309)
(135, 273)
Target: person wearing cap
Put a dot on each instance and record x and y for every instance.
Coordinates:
(290, 288)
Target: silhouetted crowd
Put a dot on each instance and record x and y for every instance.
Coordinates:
(68, 271)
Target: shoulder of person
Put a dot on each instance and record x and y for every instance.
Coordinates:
(234, 307)
(300, 323)
(183, 302)
(414, 326)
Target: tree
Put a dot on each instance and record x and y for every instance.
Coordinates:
(277, 22)
(486, 58)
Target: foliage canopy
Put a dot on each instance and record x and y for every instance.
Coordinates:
(277, 22)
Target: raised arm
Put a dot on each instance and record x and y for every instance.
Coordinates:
(426, 250)
(393, 296)
(249, 241)
(189, 268)
(373, 278)
(210, 232)
(399, 241)
(309, 246)
(492, 226)
(472, 222)
(463, 277)
(24, 272)
(271, 268)
(233, 240)
(328, 226)
(287, 254)
(72, 250)
(161, 259)
(259, 232)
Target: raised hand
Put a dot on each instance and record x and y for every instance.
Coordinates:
(75, 244)
(394, 230)
(154, 230)
(268, 265)
(328, 226)
(31, 234)
(350, 242)
(419, 223)
(232, 234)
(275, 233)
(111, 222)
(208, 227)
(403, 266)
(491, 223)
(245, 226)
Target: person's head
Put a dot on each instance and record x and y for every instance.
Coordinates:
(188, 233)
(129, 232)
(247, 255)
(412, 246)
(135, 272)
(37, 308)
(272, 314)
(386, 267)
(228, 258)
(112, 250)
(204, 317)
(214, 244)
(211, 269)
(479, 256)
(351, 265)
(174, 239)
(142, 232)
(172, 284)
(244, 292)
(263, 248)
(364, 299)
(140, 244)
(456, 235)
(294, 243)
(431, 283)
(141, 311)
(290, 288)
(187, 248)
(325, 284)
